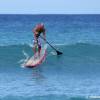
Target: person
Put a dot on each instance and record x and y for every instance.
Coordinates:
(37, 30)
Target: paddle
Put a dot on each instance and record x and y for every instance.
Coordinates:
(58, 52)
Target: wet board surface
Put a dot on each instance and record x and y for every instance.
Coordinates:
(37, 59)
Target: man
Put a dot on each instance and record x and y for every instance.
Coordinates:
(39, 28)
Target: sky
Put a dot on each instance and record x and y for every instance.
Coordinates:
(49, 6)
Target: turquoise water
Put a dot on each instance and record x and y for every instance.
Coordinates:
(71, 76)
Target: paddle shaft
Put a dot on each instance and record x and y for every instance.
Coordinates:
(58, 52)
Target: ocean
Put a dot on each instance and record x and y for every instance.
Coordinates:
(75, 75)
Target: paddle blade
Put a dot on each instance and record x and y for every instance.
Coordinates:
(59, 53)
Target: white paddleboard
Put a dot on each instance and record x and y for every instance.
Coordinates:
(37, 59)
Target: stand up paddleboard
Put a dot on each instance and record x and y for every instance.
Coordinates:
(37, 59)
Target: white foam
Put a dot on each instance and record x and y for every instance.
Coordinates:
(23, 61)
(31, 45)
(53, 53)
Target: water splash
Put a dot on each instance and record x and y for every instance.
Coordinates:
(23, 61)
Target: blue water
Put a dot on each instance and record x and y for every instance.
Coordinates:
(71, 76)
